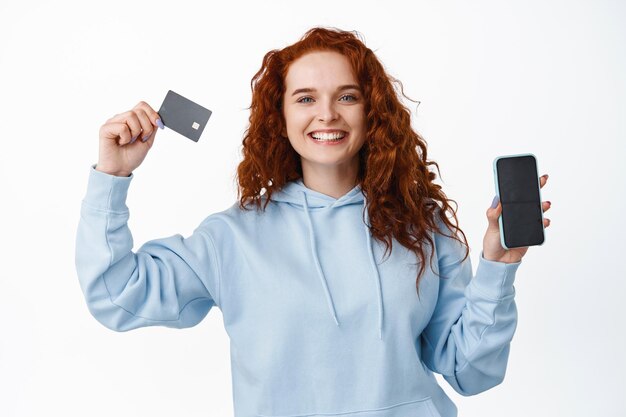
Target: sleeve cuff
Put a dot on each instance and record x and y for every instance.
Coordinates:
(495, 279)
(107, 192)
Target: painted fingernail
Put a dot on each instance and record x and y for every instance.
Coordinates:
(160, 124)
(145, 139)
(133, 139)
(495, 202)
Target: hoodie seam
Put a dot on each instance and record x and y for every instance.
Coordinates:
(103, 275)
(104, 210)
(144, 317)
(218, 268)
(106, 234)
(443, 372)
(489, 326)
(426, 400)
(432, 348)
(451, 264)
(488, 297)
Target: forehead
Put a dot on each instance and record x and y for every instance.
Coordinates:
(319, 69)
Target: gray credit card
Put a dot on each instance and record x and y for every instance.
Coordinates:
(183, 115)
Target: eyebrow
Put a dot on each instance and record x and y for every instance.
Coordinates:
(341, 88)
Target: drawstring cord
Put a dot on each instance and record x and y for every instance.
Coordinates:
(322, 277)
(329, 299)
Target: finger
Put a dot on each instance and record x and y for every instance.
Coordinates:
(146, 126)
(542, 180)
(116, 130)
(152, 114)
(493, 213)
(546, 206)
(131, 119)
(150, 139)
(546, 222)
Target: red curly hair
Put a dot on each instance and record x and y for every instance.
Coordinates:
(393, 172)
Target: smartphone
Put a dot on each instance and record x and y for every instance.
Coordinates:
(517, 185)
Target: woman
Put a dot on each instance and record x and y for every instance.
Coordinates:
(342, 283)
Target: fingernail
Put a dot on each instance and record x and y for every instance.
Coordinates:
(160, 124)
(495, 202)
(546, 176)
(133, 139)
(145, 139)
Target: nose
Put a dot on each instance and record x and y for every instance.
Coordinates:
(327, 111)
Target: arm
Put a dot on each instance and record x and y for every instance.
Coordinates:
(170, 282)
(468, 337)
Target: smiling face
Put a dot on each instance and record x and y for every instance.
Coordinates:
(324, 114)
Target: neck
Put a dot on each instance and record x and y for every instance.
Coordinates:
(334, 182)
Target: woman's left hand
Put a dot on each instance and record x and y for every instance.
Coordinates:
(492, 248)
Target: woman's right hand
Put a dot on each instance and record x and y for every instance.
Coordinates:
(126, 138)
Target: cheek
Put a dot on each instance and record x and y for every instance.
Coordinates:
(296, 121)
(356, 119)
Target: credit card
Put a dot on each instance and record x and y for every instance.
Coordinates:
(183, 115)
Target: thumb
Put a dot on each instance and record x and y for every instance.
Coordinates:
(493, 213)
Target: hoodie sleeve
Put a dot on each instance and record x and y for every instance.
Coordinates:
(169, 282)
(468, 337)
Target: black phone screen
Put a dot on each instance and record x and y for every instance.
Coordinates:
(518, 187)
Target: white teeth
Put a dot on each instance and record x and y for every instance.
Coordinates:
(328, 136)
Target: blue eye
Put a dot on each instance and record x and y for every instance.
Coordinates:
(302, 99)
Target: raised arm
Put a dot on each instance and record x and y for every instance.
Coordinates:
(468, 337)
(170, 281)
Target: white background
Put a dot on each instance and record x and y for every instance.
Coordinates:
(494, 78)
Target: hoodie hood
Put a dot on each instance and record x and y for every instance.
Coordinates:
(293, 193)
(296, 194)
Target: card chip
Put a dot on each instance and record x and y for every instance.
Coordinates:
(195, 125)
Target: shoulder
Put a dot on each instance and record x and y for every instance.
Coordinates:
(236, 217)
(448, 240)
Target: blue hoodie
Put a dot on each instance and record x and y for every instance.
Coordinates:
(319, 323)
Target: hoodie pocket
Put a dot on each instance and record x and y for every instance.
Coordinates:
(418, 408)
